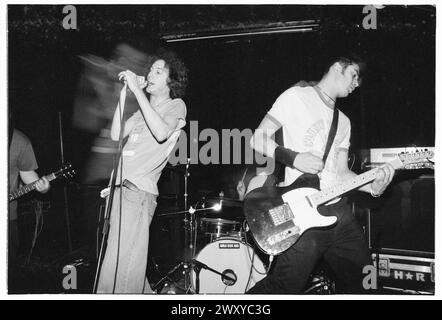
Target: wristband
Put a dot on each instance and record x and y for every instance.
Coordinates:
(285, 156)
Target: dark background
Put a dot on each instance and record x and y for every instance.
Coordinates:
(233, 80)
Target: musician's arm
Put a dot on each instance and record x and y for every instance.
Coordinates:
(42, 184)
(262, 140)
(263, 143)
(384, 174)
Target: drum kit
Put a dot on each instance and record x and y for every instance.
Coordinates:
(218, 257)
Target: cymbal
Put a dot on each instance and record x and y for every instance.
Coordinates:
(227, 202)
(219, 221)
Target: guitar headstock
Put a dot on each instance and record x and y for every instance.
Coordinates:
(416, 160)
(66, 171)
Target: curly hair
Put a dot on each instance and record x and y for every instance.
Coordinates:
(177, 72)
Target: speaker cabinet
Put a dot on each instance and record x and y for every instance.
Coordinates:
(404, 217)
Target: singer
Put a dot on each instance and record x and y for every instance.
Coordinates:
(152, 132)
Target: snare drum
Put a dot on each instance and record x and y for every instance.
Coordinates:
(231, 258)
(217, 227)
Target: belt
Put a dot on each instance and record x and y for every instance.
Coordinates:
(126, 183)
(129, 185)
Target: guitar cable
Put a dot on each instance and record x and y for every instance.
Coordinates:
(251, 258)
(251, 268)
(38, 222)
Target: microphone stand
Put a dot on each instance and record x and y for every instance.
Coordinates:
(197, 266)
(106, 223)
(65, 191)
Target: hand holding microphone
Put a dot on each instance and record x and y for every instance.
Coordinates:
(133, 81)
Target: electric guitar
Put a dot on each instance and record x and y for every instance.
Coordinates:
(65, 171)
(278, 216)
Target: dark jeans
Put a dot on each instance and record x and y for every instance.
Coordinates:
(341, 246)
(13, 241)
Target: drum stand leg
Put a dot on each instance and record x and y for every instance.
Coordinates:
(197, 270)
(166, 277)
(189, 250)
(186, 264)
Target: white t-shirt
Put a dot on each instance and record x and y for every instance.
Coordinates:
(143, 157)
(306, 121)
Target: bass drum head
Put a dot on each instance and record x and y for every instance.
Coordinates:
(232, 258)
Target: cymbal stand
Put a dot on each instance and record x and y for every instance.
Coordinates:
(189, 263)
(188, 220)
(186, 175)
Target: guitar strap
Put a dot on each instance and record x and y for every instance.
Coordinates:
(331, 134)
(279, 172)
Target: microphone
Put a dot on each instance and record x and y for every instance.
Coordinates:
(141, 80)
(122, 79)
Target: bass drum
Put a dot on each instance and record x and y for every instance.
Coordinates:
(232, 258)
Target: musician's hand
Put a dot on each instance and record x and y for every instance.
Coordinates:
(384, 175)
(241, 188)
(42, 185)
(133, 81)
(308, 163)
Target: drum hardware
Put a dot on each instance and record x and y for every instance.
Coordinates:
(186, 176)
(187, 265)
(228, 276)
(241, 267)
(168, 277)
(216, 228)
(320, 283)
(224, 263)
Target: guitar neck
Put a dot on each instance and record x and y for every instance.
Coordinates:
(28, 188)
(335, 191)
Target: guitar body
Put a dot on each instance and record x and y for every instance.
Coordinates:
(278, 216)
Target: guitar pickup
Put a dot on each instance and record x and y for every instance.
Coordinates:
(274, 239)
(281, 214)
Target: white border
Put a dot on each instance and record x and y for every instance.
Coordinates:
(3, 177)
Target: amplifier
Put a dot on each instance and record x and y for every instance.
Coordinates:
(404, 272)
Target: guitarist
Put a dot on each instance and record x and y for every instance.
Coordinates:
(305, 114)
(22, 165)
